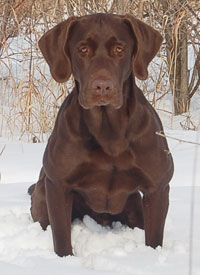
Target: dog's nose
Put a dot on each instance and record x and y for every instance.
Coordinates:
(102, 86)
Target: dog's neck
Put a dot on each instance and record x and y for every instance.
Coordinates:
(109, 126)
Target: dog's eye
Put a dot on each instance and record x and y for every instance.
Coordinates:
(118, 50)
(83, 50)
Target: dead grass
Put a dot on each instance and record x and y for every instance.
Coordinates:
(29, 97)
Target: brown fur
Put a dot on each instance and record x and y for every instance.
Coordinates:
(103, 151)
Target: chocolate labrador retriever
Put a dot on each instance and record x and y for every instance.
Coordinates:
(103, 158)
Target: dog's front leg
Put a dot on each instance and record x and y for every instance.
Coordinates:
(59, 206)
(155, 211)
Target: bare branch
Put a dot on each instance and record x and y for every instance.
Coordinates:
(180, 140)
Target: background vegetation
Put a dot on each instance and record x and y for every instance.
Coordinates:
(29, 98)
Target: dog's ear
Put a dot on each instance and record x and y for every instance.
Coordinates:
(53, 47)
(148, 43)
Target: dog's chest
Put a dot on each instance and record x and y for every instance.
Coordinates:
(106, 192)
(106, 182)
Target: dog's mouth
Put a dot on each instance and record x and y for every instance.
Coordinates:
(89, 100)
(100, 101)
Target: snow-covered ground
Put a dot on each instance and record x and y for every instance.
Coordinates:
(26, 249)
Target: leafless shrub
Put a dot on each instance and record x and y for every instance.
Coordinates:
(30, 99)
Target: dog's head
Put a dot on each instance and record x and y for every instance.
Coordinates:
(101, 51)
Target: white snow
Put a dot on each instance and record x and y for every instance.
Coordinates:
(26, 249)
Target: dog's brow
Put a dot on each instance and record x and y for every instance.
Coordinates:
(114, 41)
(88, 40)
